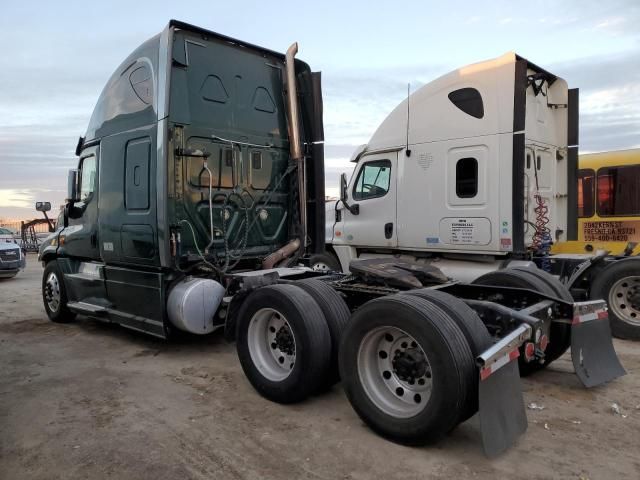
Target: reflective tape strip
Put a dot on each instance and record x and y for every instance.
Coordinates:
(485, 372)
(588, 317)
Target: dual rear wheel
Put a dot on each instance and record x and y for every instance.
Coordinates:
(407, 369)
(287, 339)
(406, 366)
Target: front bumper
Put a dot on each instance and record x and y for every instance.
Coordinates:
(8, 272)
(11, 267)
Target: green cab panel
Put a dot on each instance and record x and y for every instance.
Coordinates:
(127, 204)
(228, 101)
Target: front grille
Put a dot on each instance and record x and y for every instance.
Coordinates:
(10, 255)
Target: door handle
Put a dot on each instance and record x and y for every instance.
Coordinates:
(388, 230)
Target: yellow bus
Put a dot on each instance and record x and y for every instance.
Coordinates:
(608, 220)
(608, 202)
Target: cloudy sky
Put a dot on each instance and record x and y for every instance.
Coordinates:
(58, 55)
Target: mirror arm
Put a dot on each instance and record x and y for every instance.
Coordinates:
(353, 209)
(65, 216)
(49, 222)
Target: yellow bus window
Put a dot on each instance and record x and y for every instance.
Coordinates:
(619, 191)
(586, 193)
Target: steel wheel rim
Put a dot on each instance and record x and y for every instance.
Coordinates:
(272, 345)
(320, 267)
(384, 382)
(52, 292)
(624, 299)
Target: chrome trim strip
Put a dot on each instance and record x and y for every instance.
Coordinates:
(164, 72)
(164, 78)
(510, 342)
(161, 191)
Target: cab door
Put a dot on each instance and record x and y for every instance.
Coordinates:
(81, 235)
(372, 192)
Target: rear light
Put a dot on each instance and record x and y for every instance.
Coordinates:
(529, 351)
(544, 342)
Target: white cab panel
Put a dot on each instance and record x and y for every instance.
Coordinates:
(373, 189)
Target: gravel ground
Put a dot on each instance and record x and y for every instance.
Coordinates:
(92, 400)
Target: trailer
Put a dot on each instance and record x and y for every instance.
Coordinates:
(198, 199)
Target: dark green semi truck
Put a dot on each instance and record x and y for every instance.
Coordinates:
(198, 198)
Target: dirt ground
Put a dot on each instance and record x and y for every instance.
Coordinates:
(92, 400)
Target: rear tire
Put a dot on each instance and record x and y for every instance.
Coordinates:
(337, 315)
(406, 368)
(54, 294)
(542, 282)
(619, 285)
(472, 328)
(283, 343)
(325, 262)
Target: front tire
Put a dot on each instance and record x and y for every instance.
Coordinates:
(619, 285)
(283, 343)
(325, 262)
(54, 294)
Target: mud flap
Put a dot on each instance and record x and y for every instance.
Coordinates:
(592, 352)
(502, 414)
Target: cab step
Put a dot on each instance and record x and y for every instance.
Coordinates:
(87, 308)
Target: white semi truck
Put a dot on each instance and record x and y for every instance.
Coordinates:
(475, 172)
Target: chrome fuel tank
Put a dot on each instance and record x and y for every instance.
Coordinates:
(193, 303)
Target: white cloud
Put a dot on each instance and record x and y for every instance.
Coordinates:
(624, 100)
(10, 197)
(611, 23)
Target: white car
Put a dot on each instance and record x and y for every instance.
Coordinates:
(12, 258)
(7, 235)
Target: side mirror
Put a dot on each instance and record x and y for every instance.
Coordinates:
(73, 187)
(354, 209)
(343, 187)
(43, 206)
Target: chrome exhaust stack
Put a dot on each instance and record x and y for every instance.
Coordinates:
(294, 137)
